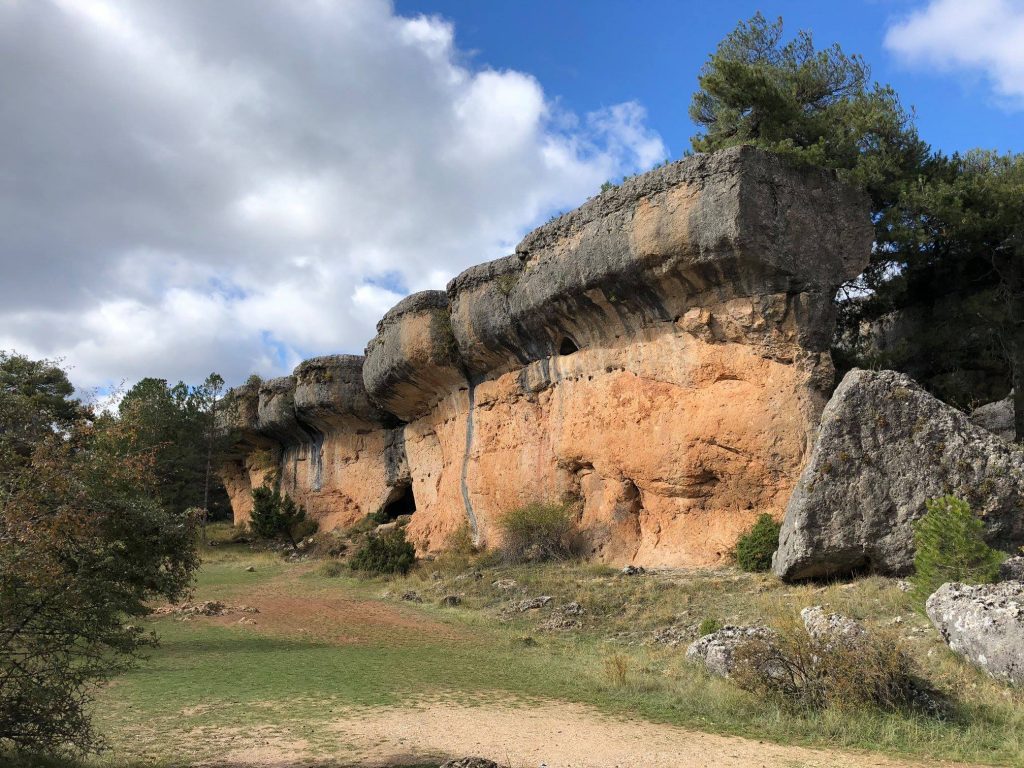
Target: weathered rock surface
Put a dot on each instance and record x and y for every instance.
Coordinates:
(659, 356)
(821, 625)
(1012, 569)
(884, 447)
(996, 417)
(319, 434)
(717, 651)
(985, 624)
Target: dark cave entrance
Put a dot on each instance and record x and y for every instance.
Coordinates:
(400, 502)
(568, 347)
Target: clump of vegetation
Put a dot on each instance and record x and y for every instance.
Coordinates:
(332, 568)
(950, 546)
(755, 548)
(276, 515)
(387, 552)
(708, 627)
(826, 671)
(537, 532)
(616, 667)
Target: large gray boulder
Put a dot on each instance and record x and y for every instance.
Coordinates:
(996, 417)
(985, 624)
(884, 447)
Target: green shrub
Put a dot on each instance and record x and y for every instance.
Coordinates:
(708, 627)
(387, 552)
(950, 546)
(814, 673)
(332, 568)
(755, 548)
(537, 532)
(275, 516)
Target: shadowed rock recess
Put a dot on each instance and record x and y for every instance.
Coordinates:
(658, 356)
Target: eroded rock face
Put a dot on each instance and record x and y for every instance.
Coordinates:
(658, 356)
(318, 434)
(884, 447)
(985, 624)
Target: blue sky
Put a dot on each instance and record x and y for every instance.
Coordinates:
(192, 186)
(601, 52)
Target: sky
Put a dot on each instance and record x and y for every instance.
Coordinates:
(189, 186)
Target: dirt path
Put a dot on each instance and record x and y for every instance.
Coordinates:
(553, 734)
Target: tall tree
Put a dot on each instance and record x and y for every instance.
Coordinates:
(84, 545)
(175, 423)
(921, 307)
(969, 236)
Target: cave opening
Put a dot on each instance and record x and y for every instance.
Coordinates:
(568, 347)
(400, 502)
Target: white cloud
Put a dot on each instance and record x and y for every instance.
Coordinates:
(192, 186)
(978, 36)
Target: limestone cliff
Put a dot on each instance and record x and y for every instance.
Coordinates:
(659, 354)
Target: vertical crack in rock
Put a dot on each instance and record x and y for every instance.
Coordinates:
(464, 474)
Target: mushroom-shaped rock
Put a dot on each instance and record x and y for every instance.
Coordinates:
(277, 411)
(238, 418)
(329, 392)
(413, 360)
(737, 223)
(884, 447)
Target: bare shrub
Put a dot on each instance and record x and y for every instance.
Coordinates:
(828, 671)
(617, 669)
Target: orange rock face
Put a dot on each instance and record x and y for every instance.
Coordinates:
(659, 357)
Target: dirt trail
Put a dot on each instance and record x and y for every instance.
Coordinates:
(565, 736)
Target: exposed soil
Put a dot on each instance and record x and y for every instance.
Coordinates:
(553, 734)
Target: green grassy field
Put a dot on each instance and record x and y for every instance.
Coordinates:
(324, 646)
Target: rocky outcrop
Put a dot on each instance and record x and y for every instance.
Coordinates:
(717, 651)
(985, 624)
(884, 447)
(318, 435)
(659, 356)
(996, 417)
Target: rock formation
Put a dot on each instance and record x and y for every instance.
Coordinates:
(996, 417)
(659, 356)
(884, 447)
(985, 624)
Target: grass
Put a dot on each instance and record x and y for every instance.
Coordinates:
(210, 679)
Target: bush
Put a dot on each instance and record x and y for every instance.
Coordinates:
(275, 516)
(950, 546)
(803, 671)
(708, 627)
(755, 548)
(304, 528)
(387, 552)
(332, 569)
(537, 532)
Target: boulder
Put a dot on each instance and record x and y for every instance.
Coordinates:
(884, 447)
(984, 624)
(821, 625)
(996, 417)
(1012, 569)
(717, 651)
